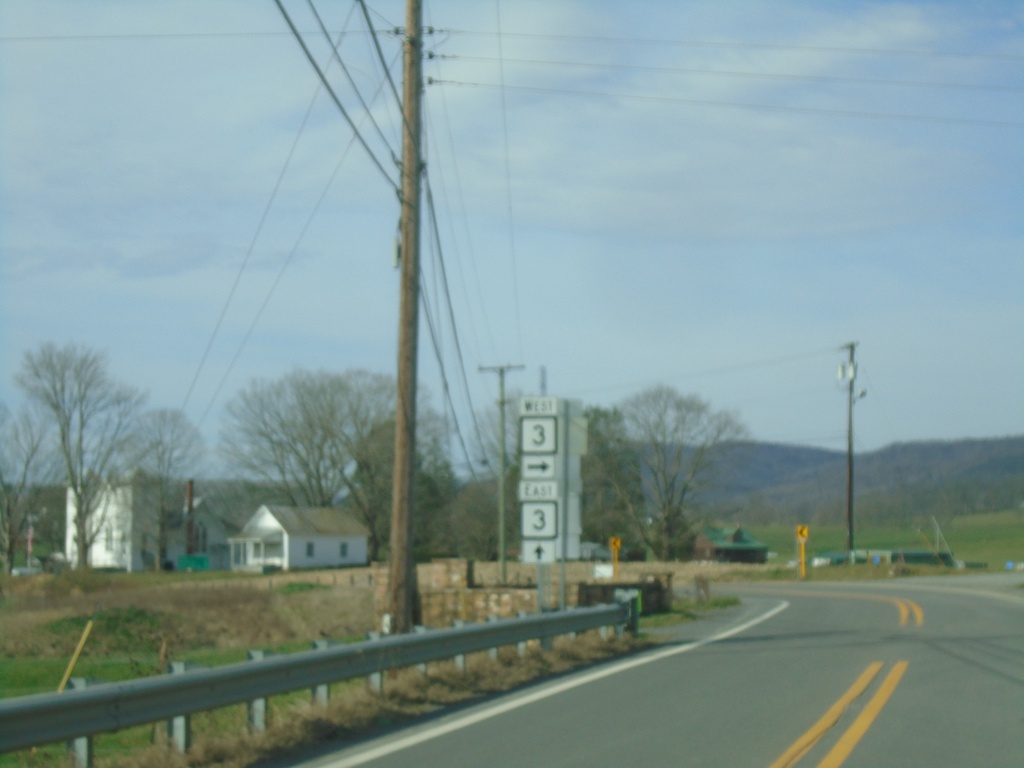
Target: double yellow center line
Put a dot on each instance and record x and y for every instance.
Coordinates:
(846, 743)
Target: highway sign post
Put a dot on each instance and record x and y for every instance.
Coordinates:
(552, 437)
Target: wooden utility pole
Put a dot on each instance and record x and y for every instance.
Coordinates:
(402, 584)
(500, 369)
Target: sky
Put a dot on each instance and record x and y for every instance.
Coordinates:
(711, 196)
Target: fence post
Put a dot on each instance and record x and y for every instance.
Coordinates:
(80, 749)
(179, 727)
(460, 659)
(321, 691)
(257, 708)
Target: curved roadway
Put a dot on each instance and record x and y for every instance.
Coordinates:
(909, 672)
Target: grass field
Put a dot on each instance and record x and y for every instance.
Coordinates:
(137, 614)
(994, 539)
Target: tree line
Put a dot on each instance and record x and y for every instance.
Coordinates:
(326, 439)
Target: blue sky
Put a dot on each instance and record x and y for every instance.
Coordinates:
(714, 196)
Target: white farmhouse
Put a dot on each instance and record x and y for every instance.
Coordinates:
(292, 538)
(123, 536)
(125, 528)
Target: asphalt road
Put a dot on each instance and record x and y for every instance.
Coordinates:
(909, 672)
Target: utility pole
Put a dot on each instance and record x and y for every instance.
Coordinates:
(848, 372)
(500, 370)
(402, 583)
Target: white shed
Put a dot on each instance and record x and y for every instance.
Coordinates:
(292, 538)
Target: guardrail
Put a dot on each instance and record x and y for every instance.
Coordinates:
(29, 721)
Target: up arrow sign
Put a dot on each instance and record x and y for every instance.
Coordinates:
(538, 467)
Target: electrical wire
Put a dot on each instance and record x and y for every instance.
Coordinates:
(451, 313)
(739, 74)
(248, 253)
(334, 97)
(464, 219)
(745, 106)
(277, 280)
(508, 186)
(647, 42)
(355, 88)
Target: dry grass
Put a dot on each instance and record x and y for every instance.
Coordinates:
(356, 711)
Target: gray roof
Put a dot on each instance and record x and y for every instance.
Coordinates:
(321, 521)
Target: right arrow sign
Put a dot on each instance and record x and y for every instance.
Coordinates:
(538, 467)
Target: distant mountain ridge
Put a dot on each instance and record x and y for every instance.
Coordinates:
(775, 481)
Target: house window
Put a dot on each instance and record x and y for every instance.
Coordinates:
(309, 549)
(343, 549)
(109, 539)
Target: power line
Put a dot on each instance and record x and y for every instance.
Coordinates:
(745, 45)
(740, 105)
(451, 315)
(273, 286)
(465, 226)
(355, 88)
(334, 97)
(508, 184)
(739, 74)
(248, 253)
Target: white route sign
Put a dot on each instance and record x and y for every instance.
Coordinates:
(540, 519)
(539, 434)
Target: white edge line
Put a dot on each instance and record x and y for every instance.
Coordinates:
(507, 706)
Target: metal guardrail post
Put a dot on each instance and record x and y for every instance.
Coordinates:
(179, 727)
(257, 708)
(49, 718)
(630, 598)
(321, 692)
(460, 658)
(493, 652)
(420, 630)
(375, 679)
(80, 749)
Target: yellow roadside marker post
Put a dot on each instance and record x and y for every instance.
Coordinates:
(615, 544)
(801, 536)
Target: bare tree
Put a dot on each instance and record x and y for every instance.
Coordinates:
(676, 436)
(25, 467)
(613, 497)
(324, 438)
(94, 417)
(315, 436)
(171, 449)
